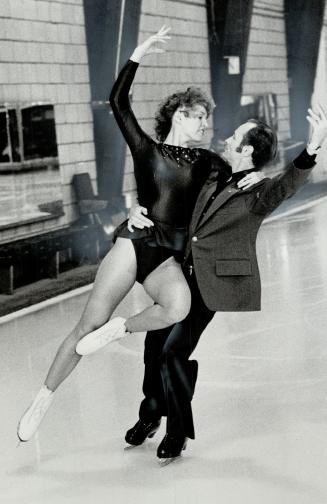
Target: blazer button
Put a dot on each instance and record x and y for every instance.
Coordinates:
(195, 239)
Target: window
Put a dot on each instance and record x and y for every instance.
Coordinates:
(30, 187)
(27, 133)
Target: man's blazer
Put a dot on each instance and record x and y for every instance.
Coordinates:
(223, 241)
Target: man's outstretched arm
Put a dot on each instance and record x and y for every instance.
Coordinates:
(274, 192)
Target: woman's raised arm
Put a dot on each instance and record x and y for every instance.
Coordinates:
(119, 96)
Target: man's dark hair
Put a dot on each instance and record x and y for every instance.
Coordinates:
(188, 99)
(264, 142)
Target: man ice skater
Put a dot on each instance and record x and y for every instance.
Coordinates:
(222, 271)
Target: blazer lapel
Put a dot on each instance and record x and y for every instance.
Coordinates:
(227, 193)
(205, 194)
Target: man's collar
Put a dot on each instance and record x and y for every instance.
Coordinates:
(236, 177)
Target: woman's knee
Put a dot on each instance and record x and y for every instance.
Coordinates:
(178, 308)
(168, 288)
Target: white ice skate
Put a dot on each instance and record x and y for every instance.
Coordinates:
(34, 415)
(111, 331)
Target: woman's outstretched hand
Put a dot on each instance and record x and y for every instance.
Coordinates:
(149, 46)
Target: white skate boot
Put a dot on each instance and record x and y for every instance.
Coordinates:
(111, 331)
(34, 415)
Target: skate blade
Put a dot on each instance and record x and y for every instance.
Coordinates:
(130, 447)
(166, 461)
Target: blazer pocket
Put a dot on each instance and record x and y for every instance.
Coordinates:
(233, 267)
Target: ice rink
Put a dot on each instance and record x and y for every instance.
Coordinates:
(260, 406)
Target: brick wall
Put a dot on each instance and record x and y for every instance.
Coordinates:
(266, 65)
(185, 63)
(43, 58)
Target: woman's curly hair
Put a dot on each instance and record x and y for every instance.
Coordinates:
(189, 98)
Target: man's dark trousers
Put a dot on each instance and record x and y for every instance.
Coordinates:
(169, 376)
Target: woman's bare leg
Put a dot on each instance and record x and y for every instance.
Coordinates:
(114, 279)
(168, 288)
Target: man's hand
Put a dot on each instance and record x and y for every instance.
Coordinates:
(137, 218)
(250, 179)
(150, 45)
(318, 120)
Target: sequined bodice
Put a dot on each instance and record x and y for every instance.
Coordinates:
(180, 153)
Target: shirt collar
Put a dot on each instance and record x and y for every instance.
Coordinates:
(236, 177)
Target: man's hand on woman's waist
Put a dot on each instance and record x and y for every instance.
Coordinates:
(136, 218)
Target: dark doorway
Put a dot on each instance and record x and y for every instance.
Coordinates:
(228, 30)
(111, 30)
(303, 29)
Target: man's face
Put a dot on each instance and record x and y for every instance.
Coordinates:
(193, 122)
(232, 152)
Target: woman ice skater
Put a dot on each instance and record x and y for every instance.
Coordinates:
(169, 175)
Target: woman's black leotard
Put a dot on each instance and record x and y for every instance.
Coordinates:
(168, 178)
